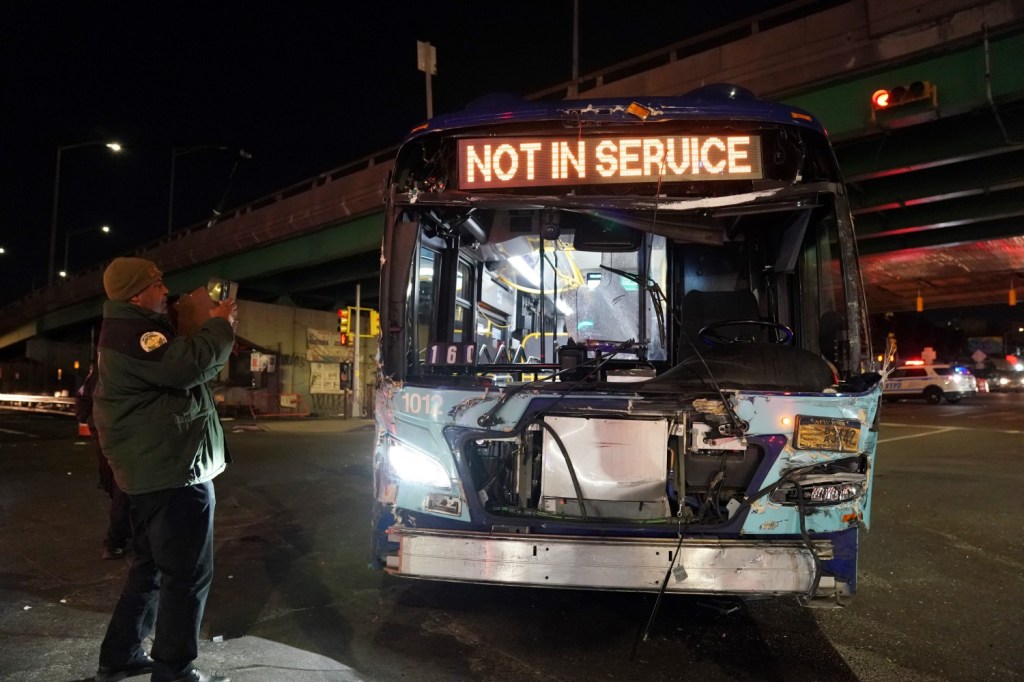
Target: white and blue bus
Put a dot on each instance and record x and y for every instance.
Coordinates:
(624, 347)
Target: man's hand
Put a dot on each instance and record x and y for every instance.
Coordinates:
(227, 310)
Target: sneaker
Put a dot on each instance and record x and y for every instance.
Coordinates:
(113, 553)
(111, 674)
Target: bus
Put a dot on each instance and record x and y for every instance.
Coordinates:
(624, 346)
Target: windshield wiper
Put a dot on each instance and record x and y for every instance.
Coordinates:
(657, 297)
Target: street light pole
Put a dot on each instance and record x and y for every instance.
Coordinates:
(175, 153)
(114, 147)
(105, 229)
(242, 156)
(426, 61)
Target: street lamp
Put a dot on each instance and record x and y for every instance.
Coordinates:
(112, 146)
(175, 153)
(105, 229)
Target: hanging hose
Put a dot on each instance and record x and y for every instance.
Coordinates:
(568, 463)
(642, 636)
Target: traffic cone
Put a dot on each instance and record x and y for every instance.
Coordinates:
(83, 431)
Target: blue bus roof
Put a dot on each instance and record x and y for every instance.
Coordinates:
(720, 101)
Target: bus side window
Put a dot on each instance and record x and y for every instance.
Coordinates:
(465, 300)
(424, 292)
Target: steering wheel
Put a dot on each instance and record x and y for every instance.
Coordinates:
(712, 337)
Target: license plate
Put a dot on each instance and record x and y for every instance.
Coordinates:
(826, 433)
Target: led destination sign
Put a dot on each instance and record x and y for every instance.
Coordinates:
(498, 163)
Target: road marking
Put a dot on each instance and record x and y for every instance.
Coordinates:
(17, 433)
(938, 431)
(917, 435)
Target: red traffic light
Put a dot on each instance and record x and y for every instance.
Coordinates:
(886, 98)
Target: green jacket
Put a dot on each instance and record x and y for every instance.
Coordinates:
(154, 410)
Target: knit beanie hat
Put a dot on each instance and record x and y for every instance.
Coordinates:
(125, 277)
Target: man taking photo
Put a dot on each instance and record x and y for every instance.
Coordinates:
(158, 427)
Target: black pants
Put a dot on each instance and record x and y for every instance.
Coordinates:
(170, 575)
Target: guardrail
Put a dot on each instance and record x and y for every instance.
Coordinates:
(37, 403)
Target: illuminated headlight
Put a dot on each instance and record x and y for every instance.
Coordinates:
(831, 494)
(415, 466)
(820, 492)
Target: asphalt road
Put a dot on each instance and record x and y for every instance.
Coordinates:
(941, 575)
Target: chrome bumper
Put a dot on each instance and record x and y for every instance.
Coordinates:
(704, 566)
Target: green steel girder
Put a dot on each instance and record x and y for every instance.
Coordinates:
(971, 136)
(941, 215)
(327, 285)
(845, 108)
(947, 236)
(982, 176)
(338, 241)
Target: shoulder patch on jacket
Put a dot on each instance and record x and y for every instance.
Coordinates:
(150, 341)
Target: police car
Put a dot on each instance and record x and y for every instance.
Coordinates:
(931, 382)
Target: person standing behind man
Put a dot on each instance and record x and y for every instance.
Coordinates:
(159, 429)
(119, 529)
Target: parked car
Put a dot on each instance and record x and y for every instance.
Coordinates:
(1006, 380)
(931, 382)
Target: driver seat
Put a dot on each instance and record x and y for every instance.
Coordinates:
(701, 308)
(759, 365)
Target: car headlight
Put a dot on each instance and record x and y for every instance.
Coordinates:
(818, 491)
(415, 466)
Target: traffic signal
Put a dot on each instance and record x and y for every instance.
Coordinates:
(343, 320)
(885, 99)
(374, 323)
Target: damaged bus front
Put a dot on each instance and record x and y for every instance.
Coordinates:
(624, 347)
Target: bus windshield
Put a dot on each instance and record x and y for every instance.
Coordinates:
(519, 281)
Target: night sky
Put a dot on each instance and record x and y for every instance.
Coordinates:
(303, 87)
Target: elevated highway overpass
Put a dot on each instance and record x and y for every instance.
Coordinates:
(937, 185)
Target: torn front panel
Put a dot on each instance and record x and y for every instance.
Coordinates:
(621, 466)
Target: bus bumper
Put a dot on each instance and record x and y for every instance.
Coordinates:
(704, 566)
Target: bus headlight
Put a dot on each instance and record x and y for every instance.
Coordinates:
(415, 466)
(819, 492)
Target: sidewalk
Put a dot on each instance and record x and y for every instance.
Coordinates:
(57, 642)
